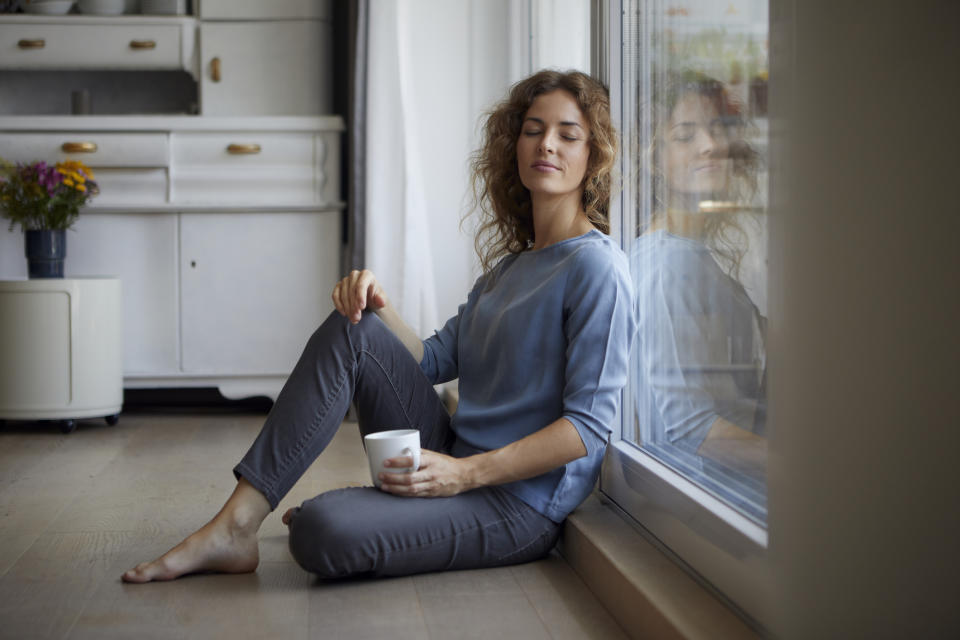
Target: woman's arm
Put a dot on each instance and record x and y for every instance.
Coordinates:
(440, 475)
(360, 290)
(735, 447)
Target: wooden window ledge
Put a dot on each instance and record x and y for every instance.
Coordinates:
(645, 591)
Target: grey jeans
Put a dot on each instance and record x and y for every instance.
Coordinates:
(364, 531)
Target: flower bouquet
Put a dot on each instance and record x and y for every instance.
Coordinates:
(45, 201)
(40, 196)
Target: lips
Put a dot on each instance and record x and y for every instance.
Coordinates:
(711, 166)
(543, 165)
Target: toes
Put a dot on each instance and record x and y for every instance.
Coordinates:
(134, 575)
(140, 573)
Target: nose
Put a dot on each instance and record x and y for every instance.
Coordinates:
(706, 143)
(709, 144)
(547, 143)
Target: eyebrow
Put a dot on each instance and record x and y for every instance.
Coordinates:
(692, 123)
(564, 123)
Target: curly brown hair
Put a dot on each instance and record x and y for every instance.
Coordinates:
(502, 202)
(723, 234)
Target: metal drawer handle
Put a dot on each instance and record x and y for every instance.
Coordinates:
(240, 149)
(79, 147)
(143, 44)
(215, 69)
(39, 43)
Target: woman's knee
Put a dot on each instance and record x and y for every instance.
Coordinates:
(322, 540)
(338, 327)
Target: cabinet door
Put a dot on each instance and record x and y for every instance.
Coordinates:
(254, 287)
(140, 249)
(266, 68)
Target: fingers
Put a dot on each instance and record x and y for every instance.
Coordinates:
(356, 292)
(434, 478)
(401, 482)
(405, 484)
(401, 462)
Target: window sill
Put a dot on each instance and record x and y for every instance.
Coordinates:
(648, 594)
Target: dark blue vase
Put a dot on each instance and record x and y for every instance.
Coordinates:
(46, 249)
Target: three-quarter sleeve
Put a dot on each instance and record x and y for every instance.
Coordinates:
(599, 329)
(440, 362)
(441, 351)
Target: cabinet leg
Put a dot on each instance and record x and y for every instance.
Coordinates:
(112, 420)
(68, 426)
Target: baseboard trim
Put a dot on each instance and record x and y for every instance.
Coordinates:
(644, 590)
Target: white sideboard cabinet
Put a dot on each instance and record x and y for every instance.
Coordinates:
(224, 226)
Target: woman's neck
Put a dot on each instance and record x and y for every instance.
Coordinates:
(558, 218)
(683, 216)
(680, 223)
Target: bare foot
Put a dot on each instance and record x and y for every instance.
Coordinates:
(226, 544)
(213, 548)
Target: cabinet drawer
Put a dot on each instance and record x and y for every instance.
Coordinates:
(86, 46)
(92, 148)
(244, 168)
(259, 10)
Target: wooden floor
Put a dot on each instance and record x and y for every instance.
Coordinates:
(77, 510)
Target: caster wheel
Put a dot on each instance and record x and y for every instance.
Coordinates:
(68, 426)
(112, 420)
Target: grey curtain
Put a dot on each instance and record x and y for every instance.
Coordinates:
(353, 253)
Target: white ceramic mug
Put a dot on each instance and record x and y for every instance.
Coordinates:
(384, 445)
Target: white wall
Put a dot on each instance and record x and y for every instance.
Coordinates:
(864, 517)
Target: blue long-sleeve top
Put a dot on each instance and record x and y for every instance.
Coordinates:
(543, 335)
(699, 353)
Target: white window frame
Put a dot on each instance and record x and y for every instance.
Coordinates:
(725, 550)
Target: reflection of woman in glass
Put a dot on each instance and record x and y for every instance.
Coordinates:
(700, 348)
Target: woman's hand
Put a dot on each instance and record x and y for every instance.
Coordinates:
(438, 475)
(358, 291)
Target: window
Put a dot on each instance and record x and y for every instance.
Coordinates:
(688, 83)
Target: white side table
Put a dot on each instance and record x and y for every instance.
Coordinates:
(61, 353)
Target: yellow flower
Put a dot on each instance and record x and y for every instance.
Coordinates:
(80, 187)
(68, 182)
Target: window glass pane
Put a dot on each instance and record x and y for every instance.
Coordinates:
(695, 130)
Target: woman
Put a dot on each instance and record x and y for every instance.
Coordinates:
(540, 349)
(700, 351)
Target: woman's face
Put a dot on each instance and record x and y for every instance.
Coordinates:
(697, 151)
(554, 145)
